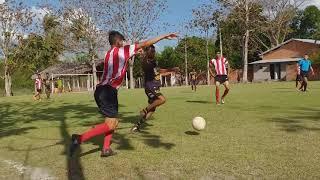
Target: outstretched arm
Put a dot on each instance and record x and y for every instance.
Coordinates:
(157, 39)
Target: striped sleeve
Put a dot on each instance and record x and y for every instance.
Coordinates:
(132, 50)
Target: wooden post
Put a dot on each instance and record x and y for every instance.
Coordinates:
(165, 81)
(52, 84)
(161, 79)
(78, 83)
(63, 85)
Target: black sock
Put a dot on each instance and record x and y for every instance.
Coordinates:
(305, 86)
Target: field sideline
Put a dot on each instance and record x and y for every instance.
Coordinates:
(264, 131)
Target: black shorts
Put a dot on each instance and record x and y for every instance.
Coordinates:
(152, 90)
(107, 100)
(193, 82)
(304, 74)
(221, 78)
(39, 90)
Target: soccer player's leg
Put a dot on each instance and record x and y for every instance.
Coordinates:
(107, 101)
(226, 91)
(217, 83)
(305, 80)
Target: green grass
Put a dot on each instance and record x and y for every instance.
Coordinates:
(265, 131)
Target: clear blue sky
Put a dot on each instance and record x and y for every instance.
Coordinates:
(178, 12)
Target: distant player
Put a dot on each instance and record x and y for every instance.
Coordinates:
(304, 67)
(106, 94)
(193, 80)
(152, 86)
(38, 87)
(298, 80)
(47, 85)
(220, 75)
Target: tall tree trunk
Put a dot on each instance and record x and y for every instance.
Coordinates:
(207, 49)
(186, 61)
(94, 74)
(131, 73)
(245, 49)
(7, 80)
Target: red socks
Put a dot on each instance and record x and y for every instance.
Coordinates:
(107, 141)
(95, 131)
(217, 95)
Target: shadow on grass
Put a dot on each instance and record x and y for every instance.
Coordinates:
(192, 133)
(297, 122)
(15, 115)
(200, 102)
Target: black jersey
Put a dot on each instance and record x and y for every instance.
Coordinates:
(150, 70)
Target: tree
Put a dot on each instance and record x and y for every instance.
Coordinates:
(197, 55)
(205, 18)
(137, 19)
(279, 14)
(40, 51)
(85, 22)
(306, 24)
(14, 19)
(169, 58)
(246, 15)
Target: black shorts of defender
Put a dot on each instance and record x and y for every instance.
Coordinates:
(107, 100)
(221, 78)
(39, 90)
(304, 74)
(193, 82)
(152, 90)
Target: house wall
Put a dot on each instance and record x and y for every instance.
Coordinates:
(283, 69)
(293, 49)
(261, 72)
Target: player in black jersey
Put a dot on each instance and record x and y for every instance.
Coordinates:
(152, 86)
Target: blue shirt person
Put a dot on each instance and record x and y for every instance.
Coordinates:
(304, 65)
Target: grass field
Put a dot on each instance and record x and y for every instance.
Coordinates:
(265, 131)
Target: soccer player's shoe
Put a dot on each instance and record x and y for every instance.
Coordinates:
(107, 153)
(222, 101)
(135, 128)
(74, 145)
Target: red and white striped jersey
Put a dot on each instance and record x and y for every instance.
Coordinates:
(115, 65)
(38, 83)
(220, 65)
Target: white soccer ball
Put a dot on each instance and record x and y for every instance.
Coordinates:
(198, 123)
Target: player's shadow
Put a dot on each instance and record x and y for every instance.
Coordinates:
(299, 122)
(192, 133)
(199, 102)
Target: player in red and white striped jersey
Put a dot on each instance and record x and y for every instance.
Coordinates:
(220, 75)
(106, 94)
(38, 87)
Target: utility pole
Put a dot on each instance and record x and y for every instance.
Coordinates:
(186, 60)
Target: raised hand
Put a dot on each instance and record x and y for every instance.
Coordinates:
(171, 36)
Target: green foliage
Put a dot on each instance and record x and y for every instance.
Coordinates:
(196, 52)
(306, 24)
(37, 52)
(169, 58)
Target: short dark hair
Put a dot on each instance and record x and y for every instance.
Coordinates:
(149, 47)
(113, 36)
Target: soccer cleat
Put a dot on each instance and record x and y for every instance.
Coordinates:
(222, 101)
(107, 153)
(75, 144)
(135, 128)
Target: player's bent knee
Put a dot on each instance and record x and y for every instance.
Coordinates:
(162, 99)
(112, 123)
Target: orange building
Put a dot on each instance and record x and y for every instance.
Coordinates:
(279, 63)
